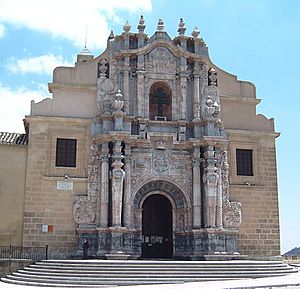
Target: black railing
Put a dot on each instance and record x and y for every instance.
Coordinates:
(19, 252)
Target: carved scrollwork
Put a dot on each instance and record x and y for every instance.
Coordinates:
(83, 212)
(232, 215)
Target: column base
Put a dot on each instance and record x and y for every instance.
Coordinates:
(117, 256)
(215, 244)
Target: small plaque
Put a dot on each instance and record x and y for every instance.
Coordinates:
(45, 228)
(64, 186)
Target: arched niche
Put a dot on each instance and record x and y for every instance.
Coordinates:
(160, 101)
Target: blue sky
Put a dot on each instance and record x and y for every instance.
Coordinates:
(256, 40)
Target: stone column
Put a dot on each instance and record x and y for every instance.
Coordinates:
(142, 106)
(210, 179)
(203, 86)
(140, 90)
(117, 184)
(104, 187)
(183, 92)
(183, 67)
(126, 85)
(219, 201)
(196, 100)
(127, 188)
(196, 193)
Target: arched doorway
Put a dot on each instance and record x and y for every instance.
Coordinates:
(157, 228)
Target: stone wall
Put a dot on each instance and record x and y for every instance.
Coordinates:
(259, 234)
(50, 190)
(12, 184)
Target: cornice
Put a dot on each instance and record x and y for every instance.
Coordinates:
(236, 98)
(57, 119)
(255, 133)
(52, 86)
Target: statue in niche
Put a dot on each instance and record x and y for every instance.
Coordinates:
(209, 109)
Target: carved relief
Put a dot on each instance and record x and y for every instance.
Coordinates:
(84, 207)
(225, 175)
(232, 216)
(161, 60)
(83, 210)
(160, 161)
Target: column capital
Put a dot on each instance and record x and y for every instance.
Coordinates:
(104, 157)
(196, 162)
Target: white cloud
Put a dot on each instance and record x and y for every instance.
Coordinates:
(2, 30)
(43, 64)
(69, 19)
(15, 104)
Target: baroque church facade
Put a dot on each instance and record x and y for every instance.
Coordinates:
(149, 150)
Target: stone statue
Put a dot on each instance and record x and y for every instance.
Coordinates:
(209, 109)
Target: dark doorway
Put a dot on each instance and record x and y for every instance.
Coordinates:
(157, 239)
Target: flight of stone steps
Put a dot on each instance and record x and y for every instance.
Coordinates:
(92, 273)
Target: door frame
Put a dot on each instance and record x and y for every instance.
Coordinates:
(173, 212)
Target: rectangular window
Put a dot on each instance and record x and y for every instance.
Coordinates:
(66, 152)
(244, 162)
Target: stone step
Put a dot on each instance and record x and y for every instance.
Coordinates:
(89, 273)
(91, 285)
(148, 276)
(127, 280)
(155, 265)
(147, 271)
(98, 262)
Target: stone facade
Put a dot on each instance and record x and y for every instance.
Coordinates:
(151, 116)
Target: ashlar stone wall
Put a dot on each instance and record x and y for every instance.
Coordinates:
(48, 210)
(259, 233)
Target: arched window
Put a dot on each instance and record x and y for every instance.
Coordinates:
(160, 101)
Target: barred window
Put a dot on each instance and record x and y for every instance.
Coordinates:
(244, 163)
(66, 152)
